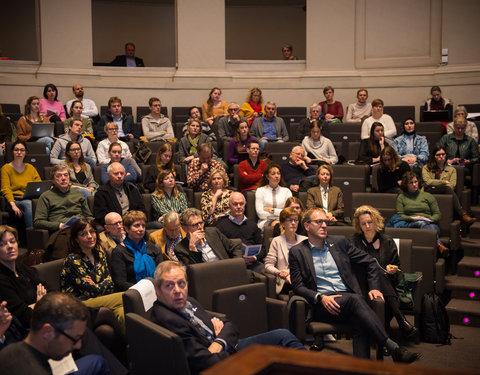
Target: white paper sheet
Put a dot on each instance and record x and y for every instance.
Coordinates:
(147, 291)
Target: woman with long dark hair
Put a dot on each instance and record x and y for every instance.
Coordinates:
(390, 171)
(80, 172)
(50, 106)
(371, 147)
(239, 142)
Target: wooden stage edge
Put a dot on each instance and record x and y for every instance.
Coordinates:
(265, 360)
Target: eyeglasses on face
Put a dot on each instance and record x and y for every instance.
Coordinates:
(196, 225)
(320, 222)
(116, 223)
(72, 339)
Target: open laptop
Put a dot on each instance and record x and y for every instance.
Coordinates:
(36, 188)
(435, 116)
(41, 129)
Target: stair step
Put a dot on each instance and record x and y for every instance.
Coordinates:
(475, 210)
(469, 267)
(471, 247)
(475, 230)
(464, 312)
(465, 288)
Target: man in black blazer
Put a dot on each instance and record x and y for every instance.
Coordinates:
(116, 195)
(321, 272)
(206, 338)
(203, 244)
(129, 58)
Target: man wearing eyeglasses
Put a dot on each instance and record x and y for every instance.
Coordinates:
(321, 272)
(113, 233)
(227, 125)
(59, 322)
(203, 244)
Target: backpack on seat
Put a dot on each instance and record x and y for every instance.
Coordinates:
(434, 323)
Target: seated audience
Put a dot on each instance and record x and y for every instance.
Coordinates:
(156, 126)
(214, 108)
(417, 209)
(239, 142)
(59, 323)
(297, 205)
(111, 129)
(81, 176)
(116, 195)
(287, 52)
(74, 134)
(359, 111)
(218, 338)
(133, 259)
(113, 233)
(333, 292)
(332, 110)
(370, 148)
(228, 125)
(85, 273)
(15, 176)
(129, 59)
(325, 195)
(269, 128)
(187, 146)
(296, 169)
(369, 237)
(127, 130)
(166, 196)
(411, 147)
(56, 206)
(319, 147)
(194, 113)
(115, 154)
(169, 236)
(200, 168)
(89, 108)
(303, 129)
(250, 171)
(163, 162)
(203, 244)
(32, 116)
(270, 196)
(471, 129)
(236, 225)
(276, 262)
(76, 110)
(441, 178)
(436, 102)
(378, 116)
(390, 172)
(50, 106)
(215, 200)
(253, 107)
(461, 149)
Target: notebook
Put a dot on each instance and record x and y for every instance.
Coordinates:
(41, 129)
(36, 188)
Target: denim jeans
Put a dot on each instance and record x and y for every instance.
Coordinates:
(26, 207)
(277, 337)
(264, 141)
(48, 143)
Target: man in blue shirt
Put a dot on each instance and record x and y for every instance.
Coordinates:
(269, 128)
(321, 272)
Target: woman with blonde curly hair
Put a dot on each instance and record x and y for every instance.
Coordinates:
(253, 107)
(368, 224)
(215, 200)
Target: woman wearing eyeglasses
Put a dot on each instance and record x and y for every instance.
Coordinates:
(15, 177)
(111, 129)
(276, 261)
(81, 175)
(441, 178)
(85, 273)
(133, 259)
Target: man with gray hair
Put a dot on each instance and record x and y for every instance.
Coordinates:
(227, 125)
(303, 129)
(203, 244)
(269, 128)
(169, 236)
(116, 195)
(296, 169)
(113, 233)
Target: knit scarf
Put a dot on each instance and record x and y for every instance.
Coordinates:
(194, 143)
(256, 108)
(143, 265)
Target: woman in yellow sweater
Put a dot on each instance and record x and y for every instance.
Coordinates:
(15, 177)
(214, 107)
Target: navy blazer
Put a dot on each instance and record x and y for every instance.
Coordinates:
(195, 343)
(121, 60)
(302, 270)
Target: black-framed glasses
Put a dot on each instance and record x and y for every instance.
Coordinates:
(196, 225)
(116, 223)
(321, 222)
(73, 340)
(19, 150)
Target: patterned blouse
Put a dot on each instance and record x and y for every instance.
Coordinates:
(199, 181)
(162, 206)
(77, 267)
(222, 206)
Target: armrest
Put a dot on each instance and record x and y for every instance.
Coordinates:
(276, 313)
(297, 315)
(36, 238)
(439, 276)
(417, 296)
(217, 314)
(271, 283)
(455, 235)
